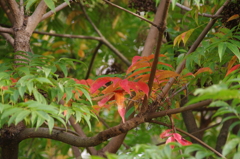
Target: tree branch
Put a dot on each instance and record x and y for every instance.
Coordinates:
(80, 141)
(201, 14)
(162, 25)
(92, 60)
(114, 144)
(35, 18)
(178, 110)
(58, 8)
(8, 38)
(6, 30)
(7, 11)
(69, 35)
(90, 21)
(136, 15)
(17, 14)
(102, 39)
(153, 32)
(104, 135)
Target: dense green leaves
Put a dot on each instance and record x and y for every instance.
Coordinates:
(32, 92)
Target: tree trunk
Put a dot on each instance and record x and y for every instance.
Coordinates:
(9, 140)
(21, 43)
(10, 149)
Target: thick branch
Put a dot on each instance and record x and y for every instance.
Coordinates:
(153, 32)
(80, 141)
(35, 18)
(17, 14)
(6, 30)
(104, 135)
(7, 11)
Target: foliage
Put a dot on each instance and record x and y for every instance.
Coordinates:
(32, 92)
(46, 88)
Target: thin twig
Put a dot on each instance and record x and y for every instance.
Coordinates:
(178, 110)
(69, 35)
(190, 135)
(92, 59)
(201, 14)
(90, 21)
(180, 90)
(104, 40)
(136, 15)
(58, 8)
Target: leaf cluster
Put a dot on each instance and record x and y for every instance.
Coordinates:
(34, 91)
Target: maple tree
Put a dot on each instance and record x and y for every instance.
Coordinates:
(190, 70)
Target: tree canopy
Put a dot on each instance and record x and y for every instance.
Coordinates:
(119, 79)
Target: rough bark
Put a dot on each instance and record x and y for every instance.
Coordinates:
(9, 140)
(10, 149)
